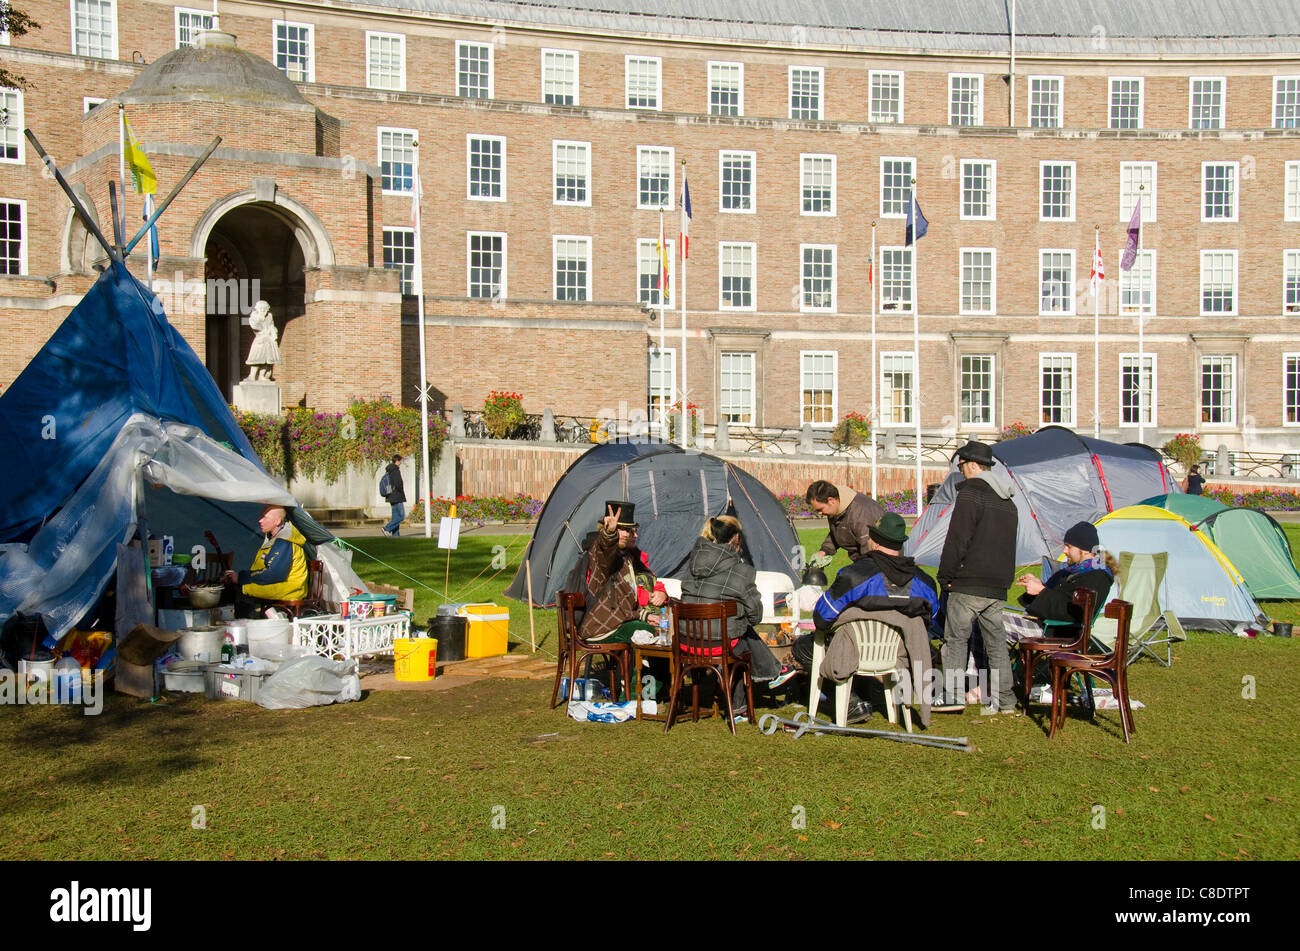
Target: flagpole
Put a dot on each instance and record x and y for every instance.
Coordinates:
(1096, 336)
(683, 250)
(148, 258)
(875, 375)
(427, 487)
(663, 313)
(1141, 322)
(916, 341)
(121, 163)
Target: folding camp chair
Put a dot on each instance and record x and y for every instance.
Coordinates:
(1141, 576)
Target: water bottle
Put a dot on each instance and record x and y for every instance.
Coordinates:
(227, 649)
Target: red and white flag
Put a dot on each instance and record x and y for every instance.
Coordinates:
(685, 235)
(1098, 271)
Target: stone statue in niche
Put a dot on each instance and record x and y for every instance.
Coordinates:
(264, 354)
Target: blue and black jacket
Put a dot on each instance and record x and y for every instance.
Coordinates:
(879, 582)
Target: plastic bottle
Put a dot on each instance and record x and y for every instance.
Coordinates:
(227, 648)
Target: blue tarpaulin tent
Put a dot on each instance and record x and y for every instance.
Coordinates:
(114, 419)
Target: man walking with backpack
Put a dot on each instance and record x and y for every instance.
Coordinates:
(391, 488)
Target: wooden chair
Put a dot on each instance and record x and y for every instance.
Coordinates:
(573, 649)
(1030, 647)
(214, 567)
(700, 643)
(1109, 667)
(315, 600)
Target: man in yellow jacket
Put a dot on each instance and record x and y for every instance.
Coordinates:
(279, 570)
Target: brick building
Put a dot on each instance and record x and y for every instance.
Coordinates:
(551, 135)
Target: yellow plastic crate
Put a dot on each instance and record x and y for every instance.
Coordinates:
(488, 629)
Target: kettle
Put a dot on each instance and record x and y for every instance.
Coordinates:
(815, 576)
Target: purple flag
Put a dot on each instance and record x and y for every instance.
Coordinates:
(1134, 236)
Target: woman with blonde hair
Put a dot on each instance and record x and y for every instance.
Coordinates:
(717, 571)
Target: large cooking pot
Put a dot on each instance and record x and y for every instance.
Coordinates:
(206, 596)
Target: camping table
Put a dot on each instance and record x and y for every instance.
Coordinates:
(331, 635)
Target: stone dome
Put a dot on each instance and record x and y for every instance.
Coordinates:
(214, 69)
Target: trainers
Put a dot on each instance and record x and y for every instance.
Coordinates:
(942, 707)
(859, 710)
(386, 532)
(784, 676)
(993, 711)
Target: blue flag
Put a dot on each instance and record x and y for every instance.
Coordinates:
(153, 231)
(916, 233)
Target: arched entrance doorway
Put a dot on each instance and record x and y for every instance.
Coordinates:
(252, 253)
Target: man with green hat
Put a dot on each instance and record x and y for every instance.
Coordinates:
(884, 585)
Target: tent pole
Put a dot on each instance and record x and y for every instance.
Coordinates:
(185, 180)
(86, 219)
(532, 633)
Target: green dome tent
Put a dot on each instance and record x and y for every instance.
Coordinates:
(1252, 540)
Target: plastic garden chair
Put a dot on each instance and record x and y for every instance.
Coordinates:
(877, 657)
(770, 584)
(1109, 667)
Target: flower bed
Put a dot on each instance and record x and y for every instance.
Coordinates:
(304, 443)
(1276, 500)
(479, 511)
(902, 502)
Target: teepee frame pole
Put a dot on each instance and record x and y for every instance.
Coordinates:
(212, 147)
(86, 218)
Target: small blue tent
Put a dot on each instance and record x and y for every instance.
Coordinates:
(114, 422)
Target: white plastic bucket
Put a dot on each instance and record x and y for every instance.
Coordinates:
(265, 635)
(238, 631)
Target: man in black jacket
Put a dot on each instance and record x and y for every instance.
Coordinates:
(976, 568)
(396, 497)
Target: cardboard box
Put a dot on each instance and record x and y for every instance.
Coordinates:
(135, 660)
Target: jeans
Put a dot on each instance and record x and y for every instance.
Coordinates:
(395, 523)
(762, 665)
(964, 611)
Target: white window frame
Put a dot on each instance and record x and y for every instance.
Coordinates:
(1069, 295)
(584, 150)
(907, 188)
(1110, 100)
(804, 406)
(642, 152)
(1060, 102)
(1153, 400)
(961, 281)
(373, 36)
(1290, 412)
(740, 88)
(1073, 363)
(1291, 276)
(804, 290)
(404, 281)
(379, 139)
(463, 91)
(815, 158)
(658, 81)
(1294, 122)
(887, 408)
(907, 261)
(1191, 101)
(585, 241)
(23, 242)
(1126, 279)
(577, 83)
(1236, 191)
(652, 245)
(992, 422)
(657, 393)
(191, 12)
(310, 29)
(820, 93)
(469, 262)
(751, 195)
(979, 98)
(1236, 284)
(14, 126)
(752, 264)
(1043, 166)
(1128, 192)
(992, 189)
(871, 85)
(90, 102)
(470, 139)
(113, 45)
(1291, 192)
(752, 390)
(1230, 360)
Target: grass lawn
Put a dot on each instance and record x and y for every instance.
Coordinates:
(488, 771)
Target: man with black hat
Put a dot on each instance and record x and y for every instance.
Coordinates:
(976, 568)
(620, 580)
(884, 585)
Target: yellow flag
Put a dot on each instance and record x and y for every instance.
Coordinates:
(146, 183)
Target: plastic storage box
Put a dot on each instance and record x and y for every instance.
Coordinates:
(488, 629)
(230, 683)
